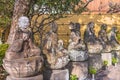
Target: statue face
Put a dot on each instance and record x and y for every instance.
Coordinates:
(71, 26)
(91, 25)
(77, 26)
(23, 22)
(104, 27)
(54, 27)
(114, 29)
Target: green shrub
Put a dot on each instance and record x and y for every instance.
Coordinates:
(3, 48)
(105, 63)
(114, 60)
(118, 36)
(92, 70)
(73, 77)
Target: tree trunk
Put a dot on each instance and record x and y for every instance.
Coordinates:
(21, 7)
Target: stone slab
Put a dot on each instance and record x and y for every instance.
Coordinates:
(107, 57)
(38, 77)
(56, 75)
(80, 69)
(95, 61)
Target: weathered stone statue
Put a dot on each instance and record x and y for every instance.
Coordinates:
(53, 49)
(77, 49)
(113, 40)
(22, 59)
(92, 42)
(102, 35)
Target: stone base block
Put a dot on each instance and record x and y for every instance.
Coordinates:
(95, 61)
(56, 75)
(38, 77)
(107, 57)
(80, 69)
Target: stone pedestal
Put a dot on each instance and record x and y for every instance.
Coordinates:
(78, 55)
(38, 77)
(107, 57)
(23, 67)
(95, 61)
(80, 69)
(56, 74)
(116, 54)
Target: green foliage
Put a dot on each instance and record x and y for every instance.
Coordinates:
(92, 70)
(3, 48)
(114, 60)
(118, 36)
(105, 63)
(73, 77)
(6, 9)
(63, 6)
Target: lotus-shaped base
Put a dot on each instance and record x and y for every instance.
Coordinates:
(58, 63)
(24, 67)
(78, 55)
(94, 48)
(116, 47)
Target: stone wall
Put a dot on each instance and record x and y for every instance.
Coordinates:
(83, 19)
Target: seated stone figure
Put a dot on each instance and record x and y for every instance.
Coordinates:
(22, 46)
(112, 39)
(53, 49)
(77, 49)
(102, 35)
(90, 39)
(22, 59)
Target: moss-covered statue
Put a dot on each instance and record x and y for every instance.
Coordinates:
(23, 58)
(113, 40)
(77, 49)
(103, 37)
(92, 42)
(53, 49)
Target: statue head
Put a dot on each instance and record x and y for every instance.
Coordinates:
(114, 29)
(104, 27)
(91, 25)
(23, 22)
(54, 27)
(71, 26)
(60, 44)
(77, 25)
(74, 26)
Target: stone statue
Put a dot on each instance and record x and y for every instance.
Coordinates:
(102, 35)
(90, 39)
(22, 59)
(112, 39)
(53, 49)
(77, 49)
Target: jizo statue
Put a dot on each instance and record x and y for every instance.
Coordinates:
(92, 42)
(77, 49)
(23, 59)
(22, 46)
(103, 37)
(53, 49)
(113, 39)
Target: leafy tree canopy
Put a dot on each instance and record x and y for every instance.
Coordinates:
(6, 8)
(55, 8)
